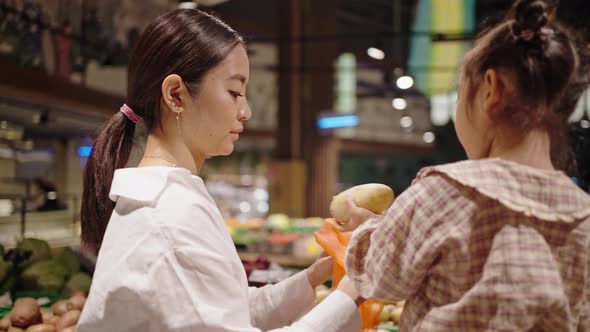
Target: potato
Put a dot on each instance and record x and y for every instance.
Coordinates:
(322, 295)
(46, 316)
(70, 318)
(53, 320)
(396, 314)
(76, 302)
(68, 329)
(41, 328)
(60, 307)
(15, 329)
(386, 313)
(372, 196)
(5, 323)
(79, 293)
(26, 312)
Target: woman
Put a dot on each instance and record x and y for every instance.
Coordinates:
(166, 261)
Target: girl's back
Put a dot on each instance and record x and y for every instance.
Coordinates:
(485, 245)
(502, 242)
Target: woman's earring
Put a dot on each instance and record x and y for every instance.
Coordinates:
(178, 119)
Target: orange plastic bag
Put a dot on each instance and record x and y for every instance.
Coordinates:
(334, 243)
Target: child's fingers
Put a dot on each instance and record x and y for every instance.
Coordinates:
(345, 227)
(357, 216)
(351, 204)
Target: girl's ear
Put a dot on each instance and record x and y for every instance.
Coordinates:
(493, 90)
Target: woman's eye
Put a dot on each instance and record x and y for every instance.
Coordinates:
(235, 94)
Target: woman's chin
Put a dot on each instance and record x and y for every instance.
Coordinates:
(224, 149)
(227, 150)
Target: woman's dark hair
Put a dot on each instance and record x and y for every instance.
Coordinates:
(186, 42)
(539, 55)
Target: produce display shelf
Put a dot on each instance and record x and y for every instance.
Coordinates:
(285, 260)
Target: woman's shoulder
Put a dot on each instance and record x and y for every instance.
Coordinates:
(150, 185)
(164, 196)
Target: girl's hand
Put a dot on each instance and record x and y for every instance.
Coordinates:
(358, 216)
(347, 287)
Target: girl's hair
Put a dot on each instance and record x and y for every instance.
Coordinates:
(539, 56)
(188, 43)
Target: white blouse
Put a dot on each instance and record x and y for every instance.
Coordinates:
(167, 263)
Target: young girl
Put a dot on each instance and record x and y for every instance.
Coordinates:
(166, 261)
(500, 242)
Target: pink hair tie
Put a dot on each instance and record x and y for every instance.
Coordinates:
(130, 114)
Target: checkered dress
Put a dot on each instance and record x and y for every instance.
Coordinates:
(485, 245)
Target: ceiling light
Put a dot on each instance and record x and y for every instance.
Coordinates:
(406, 122)
(399, 104)
(376, 53)
(405, 82)
(428, 137)
(187, 5)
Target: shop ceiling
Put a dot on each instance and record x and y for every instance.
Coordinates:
(384, 24)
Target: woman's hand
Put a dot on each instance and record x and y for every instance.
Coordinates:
(320, 271)
(347, 287)
(358, 216)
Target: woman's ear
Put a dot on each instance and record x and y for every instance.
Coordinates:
(174, 93)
